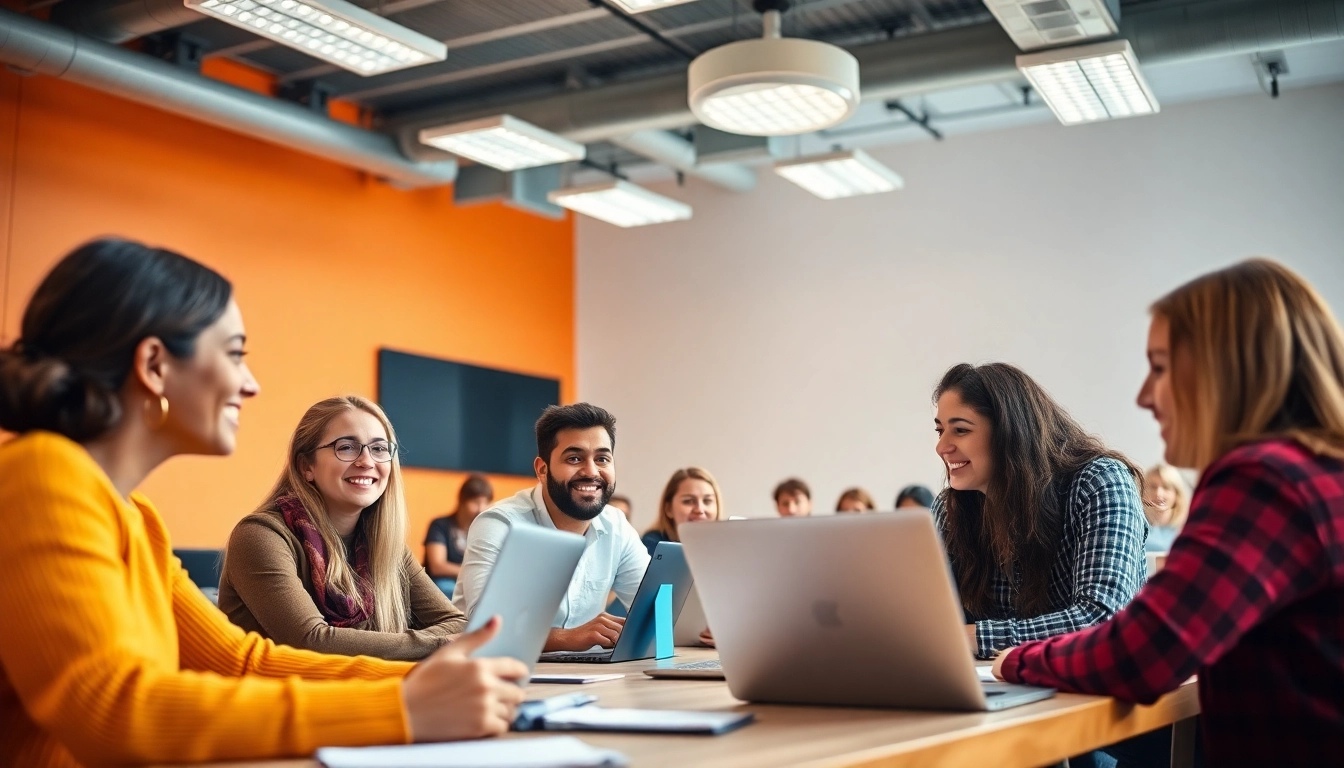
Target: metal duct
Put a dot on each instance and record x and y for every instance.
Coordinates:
(117, 21)
(35, 46)
(1211, 28)
(922, 64)
(671, 150)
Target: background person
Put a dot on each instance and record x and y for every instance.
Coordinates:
(793, 498)
(691, 495)
(623, 504)
(1166, 502)
(914, 496)
(855, 500)
(446, 539)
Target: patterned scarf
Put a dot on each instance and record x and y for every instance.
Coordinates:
(339, 610)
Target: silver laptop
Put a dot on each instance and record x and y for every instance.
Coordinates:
(850, 610)
(525, 588)
(691, 621)
(638, 638)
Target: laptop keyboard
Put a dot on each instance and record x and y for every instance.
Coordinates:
(706, 664)
(578, 657)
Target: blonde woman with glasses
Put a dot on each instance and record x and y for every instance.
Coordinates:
(1246, 381)
(323, 564)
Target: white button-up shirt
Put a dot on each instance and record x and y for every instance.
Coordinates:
(613, 559)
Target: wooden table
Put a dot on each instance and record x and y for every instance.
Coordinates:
(1032, 735)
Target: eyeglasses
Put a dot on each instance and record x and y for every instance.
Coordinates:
(349, 450)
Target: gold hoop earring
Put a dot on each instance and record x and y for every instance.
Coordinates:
(163, 413)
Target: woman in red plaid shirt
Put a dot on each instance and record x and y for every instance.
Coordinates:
(1246, 380)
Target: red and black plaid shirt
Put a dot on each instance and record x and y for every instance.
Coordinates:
(1251, 599)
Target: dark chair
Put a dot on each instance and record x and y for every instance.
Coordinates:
(203, 566)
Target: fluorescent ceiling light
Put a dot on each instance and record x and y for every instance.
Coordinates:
(640, 6)
(1036, 24)
(504, 142)
(1086, 83)
(332, 30)
(773, 86)
(621, 203)
(840, 174)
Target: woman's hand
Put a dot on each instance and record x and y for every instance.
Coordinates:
(999, 660)
(706, 638)
(449, 696)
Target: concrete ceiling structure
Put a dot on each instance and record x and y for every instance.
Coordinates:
(588, 71)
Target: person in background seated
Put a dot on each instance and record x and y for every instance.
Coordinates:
(1027, 487)
(855, 500)
(623, 504)
(322, 563)
(127, 357)
(576, 474)
(1166, 502)
(793, 498)
(914, 496)
(1252, 594)
(446, 541)
(690, 496)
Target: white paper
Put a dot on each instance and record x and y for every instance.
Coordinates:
(986, 674)
(601, 718)
(546, 752)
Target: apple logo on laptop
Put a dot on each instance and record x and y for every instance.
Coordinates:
(827, 613)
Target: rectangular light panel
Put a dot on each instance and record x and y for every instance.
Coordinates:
(640, 6)
(840, 174)
(503, 142)
(1086, 83)
(332, 30)
(621, 203)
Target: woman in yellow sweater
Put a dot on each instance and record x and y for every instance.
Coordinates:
(129, 356)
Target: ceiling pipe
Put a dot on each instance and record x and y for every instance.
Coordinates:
(117, 21)
(955, 58)
(40, 48)
(671, 150)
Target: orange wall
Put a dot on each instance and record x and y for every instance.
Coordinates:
(307, 245)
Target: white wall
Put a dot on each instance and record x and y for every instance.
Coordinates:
(778, 334)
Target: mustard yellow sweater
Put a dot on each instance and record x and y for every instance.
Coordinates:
(110, 655)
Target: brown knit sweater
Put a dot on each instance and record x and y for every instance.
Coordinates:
(267, 586)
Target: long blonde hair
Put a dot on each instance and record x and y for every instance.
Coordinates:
(1255, 353)
(664, 524)
(384, 521)
(1166, 475)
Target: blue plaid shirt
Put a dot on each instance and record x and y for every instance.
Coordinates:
(1098, 569)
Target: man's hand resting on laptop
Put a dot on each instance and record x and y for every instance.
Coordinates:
(603, 631)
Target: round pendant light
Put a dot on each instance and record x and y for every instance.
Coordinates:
(773, 86)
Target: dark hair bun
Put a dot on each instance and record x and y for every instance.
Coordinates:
(82, 325)
(44, 393)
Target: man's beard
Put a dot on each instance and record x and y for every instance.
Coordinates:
(564, 499)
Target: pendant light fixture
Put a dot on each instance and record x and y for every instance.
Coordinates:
(773, 86)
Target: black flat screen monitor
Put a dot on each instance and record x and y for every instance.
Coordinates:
(462, 417)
